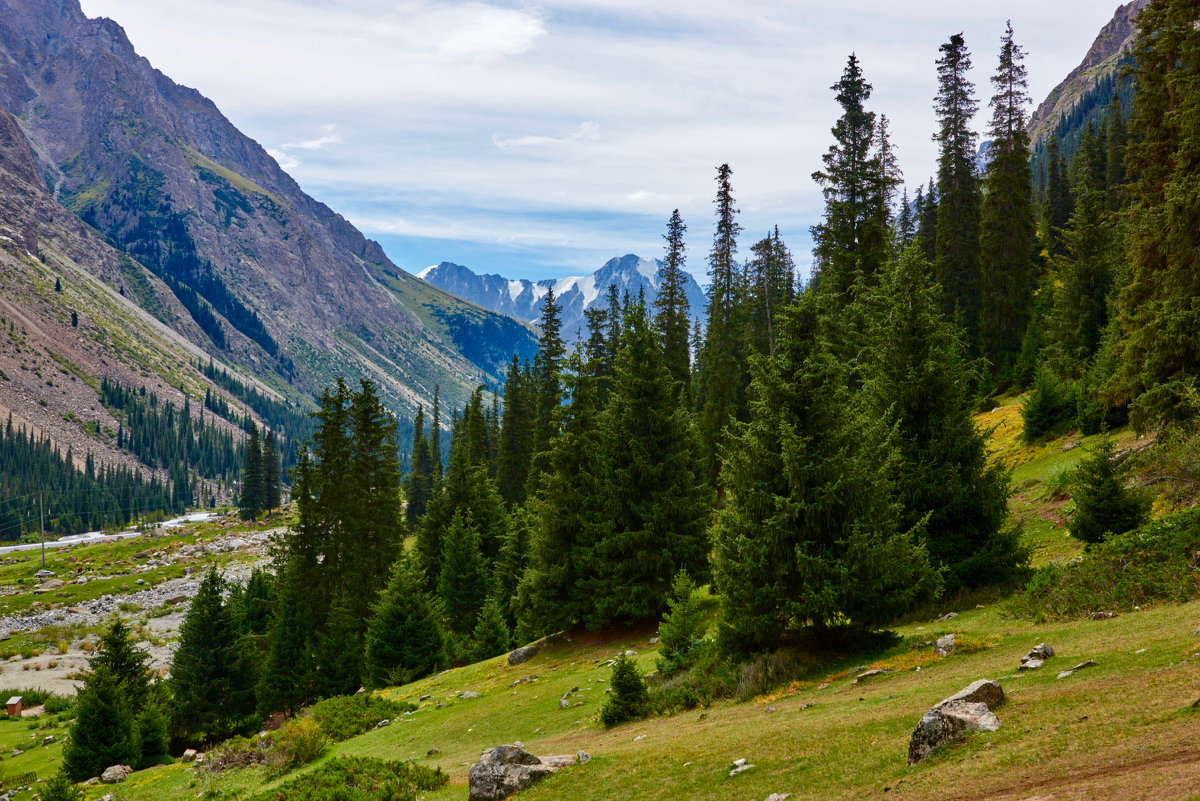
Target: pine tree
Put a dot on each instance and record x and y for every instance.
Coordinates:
(1007, 227)
(491, 636)
(213, 696)
(906, 220)
(287, 680)
(61, 788)
(769, 288)
(682, 626)
(270, 463)
(105, 730)
(927, 214)
(1104, 506)
(956, 266)
(512, 561)
(1158, 308)
(917, 375)
(1058, 205)
(547, 383)
(250, 503)
(655, 505)
(630, 700)
(404, 638)
(154, 737)
(466, 489)
(516, 436)
(418, 485)
(723, 376)
(1114, 154)
(809, 533)
(125, 662)
(570, 517)
(462, 583)
(671, 316)
(339, 650)
(842, 256)
(435, 434)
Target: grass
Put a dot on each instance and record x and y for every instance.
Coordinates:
(1123, 729)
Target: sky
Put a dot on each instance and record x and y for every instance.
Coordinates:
(538, 140)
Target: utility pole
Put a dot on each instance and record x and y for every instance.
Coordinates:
(42, 524)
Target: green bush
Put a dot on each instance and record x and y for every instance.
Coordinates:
(297, 742)
(1154, 563)
(61, 788)
(630, 699)
(57, 704)
(346, 716)
(358, 779)
(1049, 408)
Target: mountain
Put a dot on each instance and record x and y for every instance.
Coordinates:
(255, 271)
(524, 299)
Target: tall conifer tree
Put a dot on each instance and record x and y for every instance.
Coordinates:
(1007, 229)
(956, 265)
(671, 306)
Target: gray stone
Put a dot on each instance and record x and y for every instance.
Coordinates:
(740, 766)
(778, 797)
(469, 694)
(1040, 651)
(1089, 663)
(523, 654)
(583, 757)
(1030, 664)
(948, 722)
(507, 769)
(115, 773)
(984, 691)
(871, 674)
(947, 616)
(944, 646)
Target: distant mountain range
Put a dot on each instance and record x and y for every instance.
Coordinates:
(524, 299)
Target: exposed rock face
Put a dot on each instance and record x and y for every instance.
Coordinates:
(1101, 59)
(159, 169)
(507, 769)
(949, 720)
(946, 723)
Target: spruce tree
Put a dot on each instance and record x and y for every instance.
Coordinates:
(1104, 505)
(769, 288)
(468, 490)
(61, 788)
(671, 317)
(1158, 307)
(1007, 228)
(250, 502)
(339, 650)
(516, 435)
(287, 681)
(512, 561)
(570, 517)
(809, 535)
(154, 738)
(956, 265)
(270, 467)
(916, 374)
(105, 730)
(213, 696)
(1058, 205)
(547, 382)
(630, 700)
(418, 484)
(906, 220)
(723, 376)
(435, 434)
(125, 662)
(682, 626)
(843, 260)
(491, 636)
(1114, 153)
(927, 214)
(404, 639)
(462, 583)
(655, 504)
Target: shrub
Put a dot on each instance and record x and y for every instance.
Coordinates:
(1156, 562)
(346, 716)
(358, 779)
(629, 699)
(1049, 408)
(296, 743)
(61, 788)
(682, 626)
(1103, 504)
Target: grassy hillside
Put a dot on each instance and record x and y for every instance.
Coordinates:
(1123, 729)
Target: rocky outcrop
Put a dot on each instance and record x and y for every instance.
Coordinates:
(945, 645)
(522, 654)
(1036, 657)
(950, 720)
(508, 769)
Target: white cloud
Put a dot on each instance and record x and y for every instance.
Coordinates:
(478, 105)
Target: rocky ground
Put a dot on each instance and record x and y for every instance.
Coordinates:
(60, 671)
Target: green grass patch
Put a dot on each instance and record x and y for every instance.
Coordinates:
(359, 779)
(346, 716)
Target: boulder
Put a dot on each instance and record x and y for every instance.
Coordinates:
(984, 691)
(740, 766)
(948, 722)
(1030, 664)
(115, 773)
(523, 654)
(871, 674)
(944, 646)
(1036, 657)
(507, 769)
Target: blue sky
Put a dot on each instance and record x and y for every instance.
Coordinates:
(541, 139)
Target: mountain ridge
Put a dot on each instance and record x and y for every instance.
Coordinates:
(523, 299)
